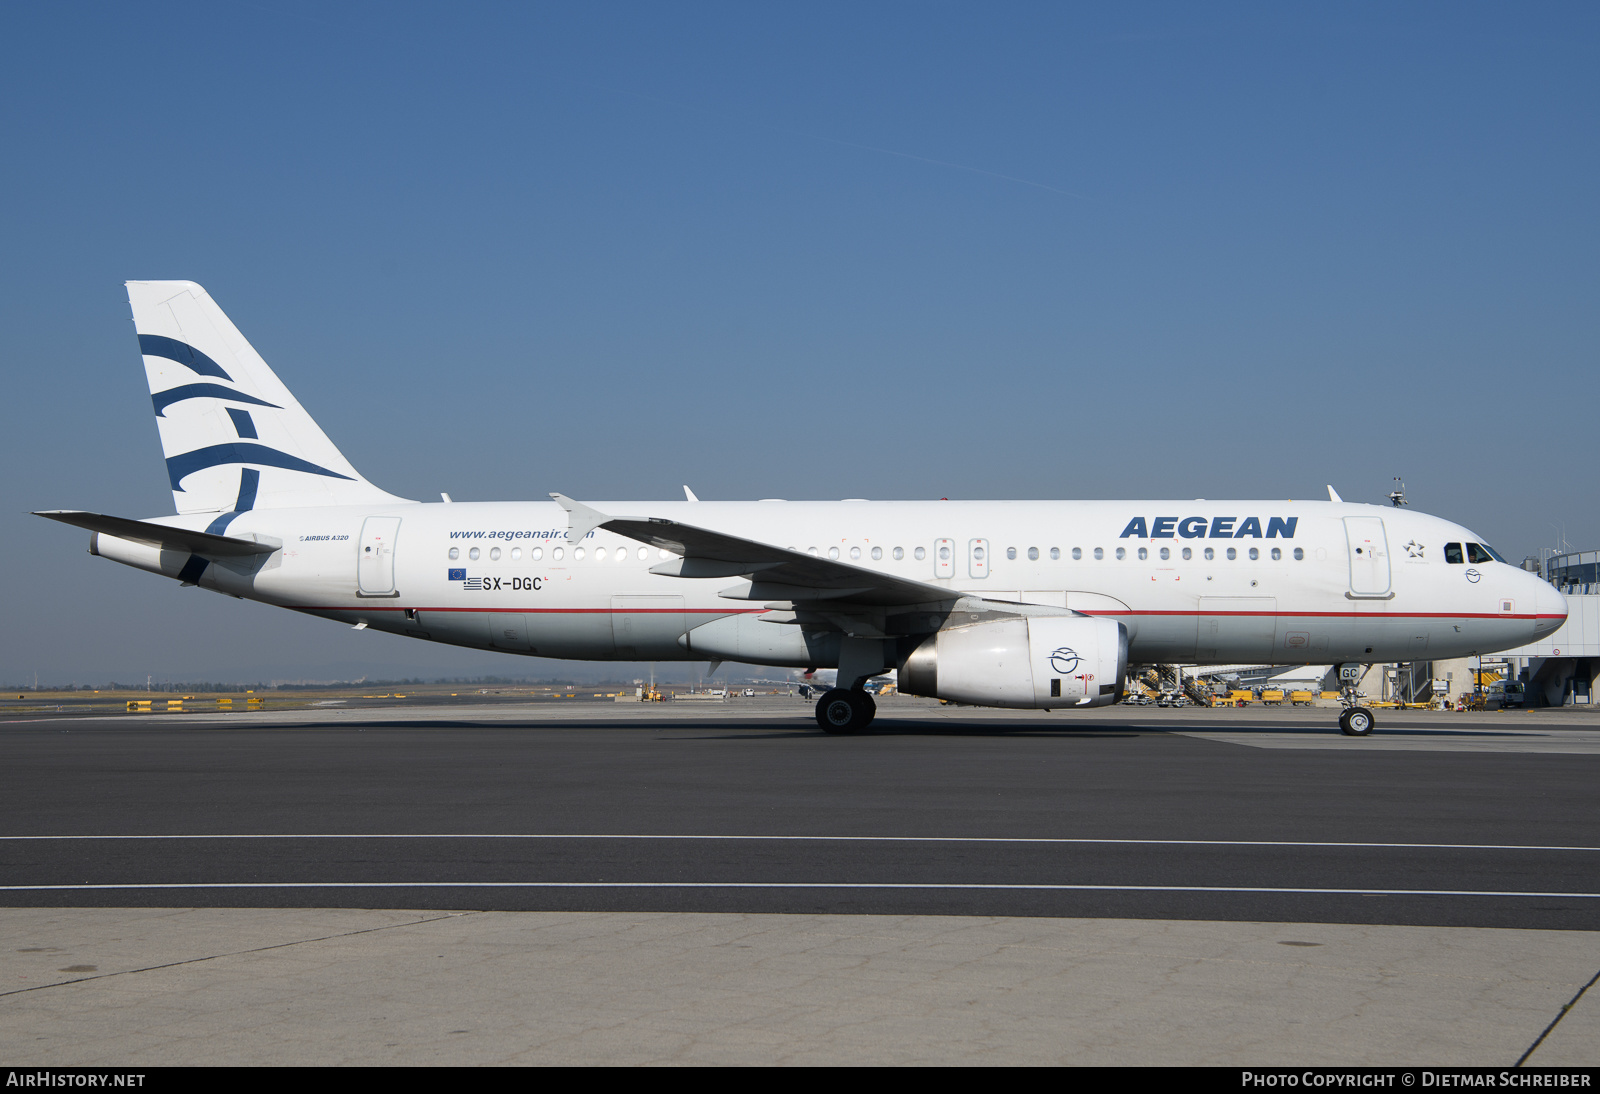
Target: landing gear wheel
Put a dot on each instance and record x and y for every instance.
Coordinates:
(1356, 722)
(841, 711)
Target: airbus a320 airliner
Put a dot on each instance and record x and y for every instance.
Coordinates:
(1028, 604)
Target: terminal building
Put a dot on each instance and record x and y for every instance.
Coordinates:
(1564, 669)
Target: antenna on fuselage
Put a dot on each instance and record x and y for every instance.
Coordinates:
(1397, 496)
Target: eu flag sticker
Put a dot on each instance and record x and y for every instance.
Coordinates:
(458, 575)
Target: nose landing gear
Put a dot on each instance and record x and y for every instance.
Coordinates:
(841, 711)
(1356, 722)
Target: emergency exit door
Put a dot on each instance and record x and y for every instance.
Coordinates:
(375, 563)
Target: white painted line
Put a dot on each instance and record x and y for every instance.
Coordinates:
(780, 885)
(817, 839)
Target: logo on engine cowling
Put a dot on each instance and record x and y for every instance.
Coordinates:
(1065, 660)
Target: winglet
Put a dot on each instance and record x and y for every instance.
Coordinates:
(581, 520)
(1333, 495)
(689, 494)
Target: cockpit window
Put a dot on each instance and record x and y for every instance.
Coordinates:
(1496, 555)
(1452, 554)
(1477, 552)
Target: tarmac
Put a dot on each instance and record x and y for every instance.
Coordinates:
(202, 983)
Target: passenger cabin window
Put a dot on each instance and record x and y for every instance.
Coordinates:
(1099, 553)
(1277, 554)
(1077, 553)
(1144, 553)
(1033, 554)
(1122, 553)
(920, 553)
(1011, 552)
(1055, 553)
(494, 554)
(877, 553)
(1187, 554)
(455, 553)
(1166, 553)
(1452, 554)
(1211, 553)
(899, 553)
(1299, 554)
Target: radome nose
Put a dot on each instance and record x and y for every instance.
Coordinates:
(1550, 607)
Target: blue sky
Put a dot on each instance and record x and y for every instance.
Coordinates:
(809, 251)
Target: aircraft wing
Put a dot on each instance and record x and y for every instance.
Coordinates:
(771, 572)
(159, 535)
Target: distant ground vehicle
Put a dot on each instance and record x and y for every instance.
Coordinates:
(1506, 693)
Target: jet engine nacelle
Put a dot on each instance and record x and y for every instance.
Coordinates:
(1038, 661)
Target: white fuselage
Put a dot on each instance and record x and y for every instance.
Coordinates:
(1327, 582)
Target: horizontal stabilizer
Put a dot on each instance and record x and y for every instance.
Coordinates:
(168, 539)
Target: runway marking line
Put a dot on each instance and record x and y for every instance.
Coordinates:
(803, 838)
(998, 887)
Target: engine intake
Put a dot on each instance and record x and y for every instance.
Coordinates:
(1034, 662)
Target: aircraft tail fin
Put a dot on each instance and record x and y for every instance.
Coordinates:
(233, 435)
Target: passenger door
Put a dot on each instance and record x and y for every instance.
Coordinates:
(375, 562)
(1369, 558)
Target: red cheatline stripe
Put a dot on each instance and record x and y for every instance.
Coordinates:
(849, 885)
(1338, 615)
(364, 609)
(1286, 616)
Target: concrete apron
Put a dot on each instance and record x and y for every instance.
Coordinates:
(142, 987)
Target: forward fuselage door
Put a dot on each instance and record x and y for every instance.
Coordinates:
(375, 563)
(1369, 556)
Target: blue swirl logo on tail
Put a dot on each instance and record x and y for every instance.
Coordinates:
(164, 399)
(178, 467)
(156, 345)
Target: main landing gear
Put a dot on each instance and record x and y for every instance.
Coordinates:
(1356, 721)
(841, 711)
